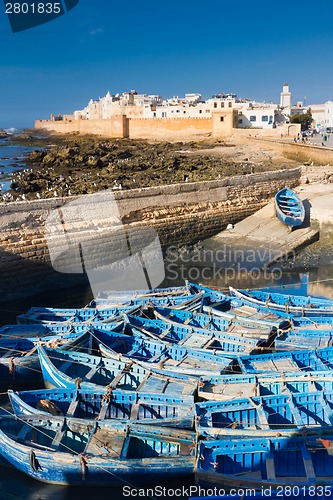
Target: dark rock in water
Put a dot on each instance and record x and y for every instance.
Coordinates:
(3, 134)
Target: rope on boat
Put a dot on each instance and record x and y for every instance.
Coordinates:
(34, 463)
(11, 367)
(84, 467)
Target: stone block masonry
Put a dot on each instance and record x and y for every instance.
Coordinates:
(180, 213)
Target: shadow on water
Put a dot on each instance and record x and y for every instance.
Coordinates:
(17, 486)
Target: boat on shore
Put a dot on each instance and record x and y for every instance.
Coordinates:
(289, 208)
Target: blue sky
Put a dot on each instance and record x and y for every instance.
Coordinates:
(249, 48)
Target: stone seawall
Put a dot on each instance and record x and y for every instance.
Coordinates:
(180, 213)
(299, 152)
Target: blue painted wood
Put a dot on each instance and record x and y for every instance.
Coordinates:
(266, 462)
(190, 302)
(311, 310)
(191, 336)
(63, 369)
(284, 298)
(132, 294)
(101, 404)
(286, 339)
(57, 451)
(302, 360)
(289, 207)
(50, 316)
(285, 413)
(229, 387)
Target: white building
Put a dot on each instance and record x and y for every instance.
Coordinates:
(252, 114)
(329, 114)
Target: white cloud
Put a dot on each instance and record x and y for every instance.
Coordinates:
(96, 31)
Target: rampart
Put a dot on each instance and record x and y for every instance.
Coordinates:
(221, 124)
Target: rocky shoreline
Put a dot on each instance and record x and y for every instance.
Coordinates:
(75, 165)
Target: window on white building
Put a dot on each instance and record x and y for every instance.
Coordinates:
(222, 104)
(253, 118)
(230, 104)
(215, 104)
(222, 119)
(264, 118)
(240, 120)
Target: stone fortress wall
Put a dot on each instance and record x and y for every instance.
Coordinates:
(220, 124)
(180, 213)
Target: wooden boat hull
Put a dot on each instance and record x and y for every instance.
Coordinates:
(282, 308)
(266, 462)
(52, 317)
(78, 463)
(230, 387)
(289, 208)
(155, 409)
(286, 414)
(108, 372)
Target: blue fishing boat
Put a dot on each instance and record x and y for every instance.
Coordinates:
(231, 387)
(289, 208)
(192, 337)
(151, 353)
(189, 302)
(105, 404)
(50, 315)
(275, 298)
(302, 360)
(286, 413)
(211, 321)
(285, 338)
(75, 370)
(260, 462)
(59, 451)
(290, 307)
(19, 362)
(120, 295)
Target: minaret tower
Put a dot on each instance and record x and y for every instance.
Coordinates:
(285, 97)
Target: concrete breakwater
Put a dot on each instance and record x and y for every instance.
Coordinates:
(180, 213)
